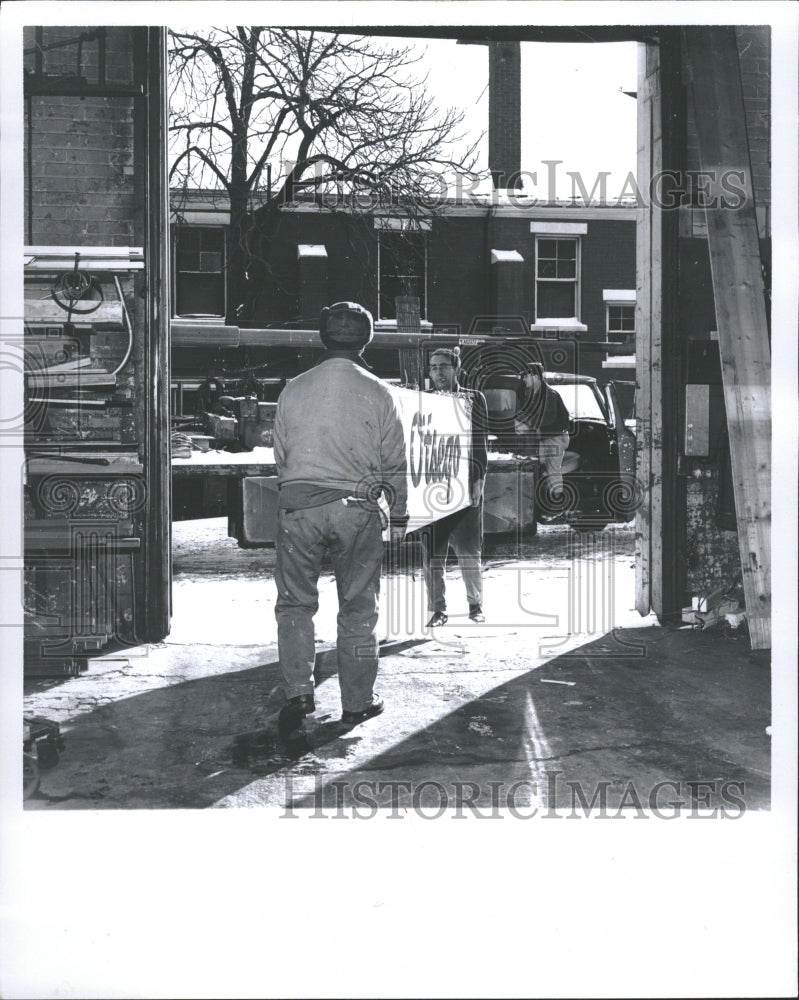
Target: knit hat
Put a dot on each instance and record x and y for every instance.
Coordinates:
(452, 354)
(345, 326)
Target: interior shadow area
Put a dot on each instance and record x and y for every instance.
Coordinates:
(181, 746)
(643, 721)
(186, 745)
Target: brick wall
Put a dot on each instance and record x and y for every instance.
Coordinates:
(504, 111)
(608, 261)
(712, 555)
(754, 51)
(459, 272)
(351, 246)
(459, 275)
(79, 151)
(80, 165)
(45, 47)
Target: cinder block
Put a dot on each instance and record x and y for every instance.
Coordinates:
(509, 501)
(256, 522)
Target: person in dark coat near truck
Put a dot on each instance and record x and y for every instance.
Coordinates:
(542, 428)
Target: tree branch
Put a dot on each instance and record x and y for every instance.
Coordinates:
(203, 156)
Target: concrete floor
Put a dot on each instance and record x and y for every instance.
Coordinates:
(564, 698)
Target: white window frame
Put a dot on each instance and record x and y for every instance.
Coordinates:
(618, 297)
(393, 225)
(559, 231)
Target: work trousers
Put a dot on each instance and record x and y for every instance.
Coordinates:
(463, 531)
(550, 450)
(351, 535)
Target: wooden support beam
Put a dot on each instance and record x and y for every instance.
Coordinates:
(658, 526)
(152, 319)
(715, 89)
(647, 308)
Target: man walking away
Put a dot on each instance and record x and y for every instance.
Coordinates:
(462, 530)
(339, 447)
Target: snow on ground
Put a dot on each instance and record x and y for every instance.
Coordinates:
(543, 589)
(543, 596)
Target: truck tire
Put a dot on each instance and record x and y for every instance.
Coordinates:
(30, 775)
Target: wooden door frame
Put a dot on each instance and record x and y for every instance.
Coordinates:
(660, 524)
(153, 622)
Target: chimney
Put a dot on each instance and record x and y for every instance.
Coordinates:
(504, 113)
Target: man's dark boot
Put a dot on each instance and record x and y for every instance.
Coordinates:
(293, 712)
(375, 707)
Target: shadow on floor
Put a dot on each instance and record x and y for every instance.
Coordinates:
(670, 720)
(633, 709)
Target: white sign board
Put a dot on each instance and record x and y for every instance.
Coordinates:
(438, 436)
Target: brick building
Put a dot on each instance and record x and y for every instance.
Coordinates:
(559, 272)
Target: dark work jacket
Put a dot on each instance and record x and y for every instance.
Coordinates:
(479, 459)
(546, 414)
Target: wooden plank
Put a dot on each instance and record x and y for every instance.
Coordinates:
(79, 469)
(240, 464)
(646, 283)
(57, 525)
(92, 264)
(62, 258)
(184, 468)
(68, 252)
(656, 548)
(658, 522)
(671, 529)
(201, 333)
(80, 379)
(735, 263)
(151, 324)
(49, 311)
(65, 542)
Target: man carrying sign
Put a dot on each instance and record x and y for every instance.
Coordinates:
(463, 530)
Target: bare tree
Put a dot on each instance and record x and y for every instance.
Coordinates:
(267, 114)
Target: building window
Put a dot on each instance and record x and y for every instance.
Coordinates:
(619, 327)
(199, 270)
(402, 269)
(621, 324)
(557, 285)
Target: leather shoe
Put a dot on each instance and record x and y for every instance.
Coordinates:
(439, 618)
(294, 711)
(353, 718)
